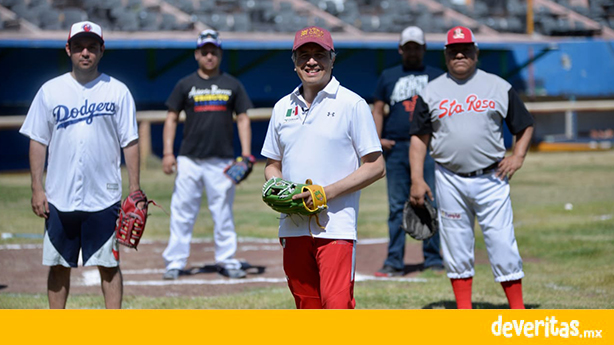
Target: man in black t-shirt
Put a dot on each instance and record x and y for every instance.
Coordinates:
(209, 98)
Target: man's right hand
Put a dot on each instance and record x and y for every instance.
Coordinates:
(387, 144)
(169, 164)
(40, 207)
(418, 190)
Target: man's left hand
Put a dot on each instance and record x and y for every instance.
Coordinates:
(508, 166)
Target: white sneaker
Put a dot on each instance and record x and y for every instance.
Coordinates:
(171, 274)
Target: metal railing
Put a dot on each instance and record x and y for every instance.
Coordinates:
(147, 118)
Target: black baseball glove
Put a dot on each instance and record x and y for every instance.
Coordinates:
(420, 222)
(238, 170)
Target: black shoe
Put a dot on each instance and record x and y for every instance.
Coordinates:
(436, 268)
(389, 271)
(231, 272)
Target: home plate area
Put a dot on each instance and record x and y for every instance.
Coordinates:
(143, 269)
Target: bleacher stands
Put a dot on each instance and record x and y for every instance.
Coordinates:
(551, 17)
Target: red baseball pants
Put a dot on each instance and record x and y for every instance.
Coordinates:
(320, 272)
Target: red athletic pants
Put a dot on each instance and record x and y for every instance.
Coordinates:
(320, 272)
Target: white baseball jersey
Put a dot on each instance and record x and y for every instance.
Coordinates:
(325, 144)
(466, 119)
(85, 127)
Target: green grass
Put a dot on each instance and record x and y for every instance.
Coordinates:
(271, 298)
(568, 254)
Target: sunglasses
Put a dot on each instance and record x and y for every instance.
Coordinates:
(209, 34)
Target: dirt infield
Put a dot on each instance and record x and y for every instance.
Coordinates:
(21, 270)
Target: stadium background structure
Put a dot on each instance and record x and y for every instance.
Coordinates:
(566, 64)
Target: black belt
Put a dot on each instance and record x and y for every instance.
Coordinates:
(488, 169)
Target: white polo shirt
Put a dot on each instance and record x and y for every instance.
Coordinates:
(84, 127)
(325, 144)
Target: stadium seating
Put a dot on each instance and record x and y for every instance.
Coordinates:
(552, 17)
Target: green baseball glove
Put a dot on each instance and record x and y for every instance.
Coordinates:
(277, 193)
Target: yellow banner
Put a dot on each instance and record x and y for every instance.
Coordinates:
(306, 326)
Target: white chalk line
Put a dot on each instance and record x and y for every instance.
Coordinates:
(91, 277)
(20, 246)
(367, 241)
(275, 243)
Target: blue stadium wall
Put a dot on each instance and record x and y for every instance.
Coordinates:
(582, 68)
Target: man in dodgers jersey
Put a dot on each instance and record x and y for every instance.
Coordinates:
(461, 115)
(324, 132)
(209, 99)
(85, 118)
(399, 87)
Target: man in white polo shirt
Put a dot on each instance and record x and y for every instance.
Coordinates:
(323, 132)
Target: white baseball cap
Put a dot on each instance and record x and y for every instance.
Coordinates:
(86, 29)
(412, 34)
(208, 36)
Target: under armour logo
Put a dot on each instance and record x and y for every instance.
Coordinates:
(331, 113)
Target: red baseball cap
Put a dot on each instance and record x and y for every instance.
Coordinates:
(313, 34)
(460, 34)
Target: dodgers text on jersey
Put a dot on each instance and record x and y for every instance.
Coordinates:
(65, 117)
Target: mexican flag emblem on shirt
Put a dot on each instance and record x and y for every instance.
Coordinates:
(291, 111)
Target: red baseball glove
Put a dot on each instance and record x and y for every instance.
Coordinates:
(131, 222)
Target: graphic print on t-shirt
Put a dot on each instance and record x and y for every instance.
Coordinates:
(213, 99)
(407, 87)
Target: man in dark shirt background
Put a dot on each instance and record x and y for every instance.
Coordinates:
(398, 87)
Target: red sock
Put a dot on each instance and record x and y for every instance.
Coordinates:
(513, 291)
(462, 292)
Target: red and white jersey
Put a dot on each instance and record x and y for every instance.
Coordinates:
(85, 127)
(324, 143)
